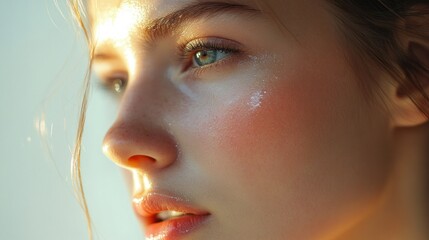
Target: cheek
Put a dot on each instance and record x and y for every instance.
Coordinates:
(291, 130)
(258, 125)
(306, 136)
(281, 123)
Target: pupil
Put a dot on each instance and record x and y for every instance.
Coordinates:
(204, 54)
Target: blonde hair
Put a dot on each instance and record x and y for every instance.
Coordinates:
(78, 11)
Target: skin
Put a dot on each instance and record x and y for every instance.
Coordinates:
(276, 142)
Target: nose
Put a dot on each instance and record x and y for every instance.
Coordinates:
(134, 146)
(138, 139)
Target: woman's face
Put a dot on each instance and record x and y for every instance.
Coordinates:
(256, 130)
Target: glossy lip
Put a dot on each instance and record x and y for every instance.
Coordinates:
(148, 205)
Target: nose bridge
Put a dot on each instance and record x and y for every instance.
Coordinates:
(145, 95)
(139, 138)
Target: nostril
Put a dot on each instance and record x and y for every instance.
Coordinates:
(139, 158)
(141, 161)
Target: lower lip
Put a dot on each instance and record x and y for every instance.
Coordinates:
(174, 229)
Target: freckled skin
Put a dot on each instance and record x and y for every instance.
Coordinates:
(309, 162)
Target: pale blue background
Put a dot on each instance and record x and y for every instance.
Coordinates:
(42, 64)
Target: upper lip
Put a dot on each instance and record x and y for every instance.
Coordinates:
(149, 204)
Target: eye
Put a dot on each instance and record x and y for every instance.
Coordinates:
(207, 52)
(206, 57)
(116, 86)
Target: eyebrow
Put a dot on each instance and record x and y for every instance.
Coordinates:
(162, 27)
(168, 24)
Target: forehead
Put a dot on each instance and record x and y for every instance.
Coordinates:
(124, 21)
(128, 21)
(144, 10)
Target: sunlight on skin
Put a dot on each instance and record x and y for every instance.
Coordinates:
(142, 183)
(147, 183)
(116, 26)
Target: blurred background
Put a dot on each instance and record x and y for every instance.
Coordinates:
(42, 67)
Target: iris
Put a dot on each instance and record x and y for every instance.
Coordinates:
(206, 57)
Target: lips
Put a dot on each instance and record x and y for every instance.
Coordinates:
(168, 217)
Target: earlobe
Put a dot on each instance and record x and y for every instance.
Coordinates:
(406, 112)
(410, 102)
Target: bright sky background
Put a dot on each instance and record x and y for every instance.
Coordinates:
(42, 65)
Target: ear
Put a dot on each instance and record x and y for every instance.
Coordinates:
(411, 96)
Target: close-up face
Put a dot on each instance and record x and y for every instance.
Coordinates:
(253, 123)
